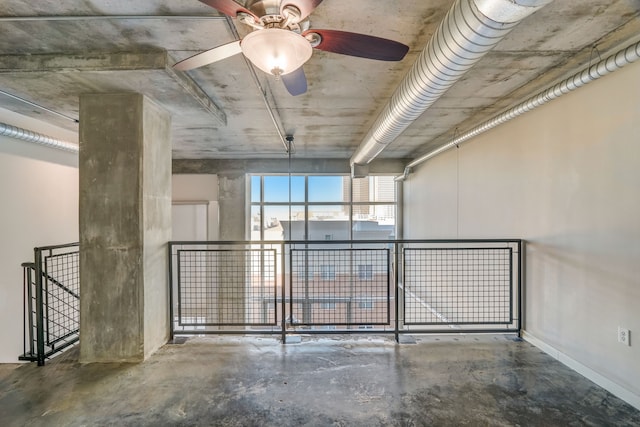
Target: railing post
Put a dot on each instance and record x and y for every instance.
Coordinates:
(39, 307)
(283, 291)
(520, 280)
(171, 331)
(28, 308)
(396, 248)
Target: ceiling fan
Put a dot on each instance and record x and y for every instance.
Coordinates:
(281, 40)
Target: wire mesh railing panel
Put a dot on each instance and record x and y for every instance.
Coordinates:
(390, 286)
(458, 286)
(227, 287)
(52, 301)
(61, 286)
(340, 287)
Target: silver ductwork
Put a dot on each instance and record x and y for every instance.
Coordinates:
(610, 64)
(37, 138)
(470, 29)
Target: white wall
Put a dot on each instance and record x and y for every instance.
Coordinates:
(195, 191)
(565, 177)
(39, 194)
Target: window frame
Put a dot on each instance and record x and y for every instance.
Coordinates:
(349, 204)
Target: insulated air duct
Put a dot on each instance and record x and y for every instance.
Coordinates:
(37, 138)
(470, 29)
(609, 65)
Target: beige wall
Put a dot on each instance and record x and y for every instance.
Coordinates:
(39, 193)
(565, 177)
(198, 190)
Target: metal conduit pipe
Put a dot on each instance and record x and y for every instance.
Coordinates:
(37, 138)
(612, 63)
(263, 93)
(102, 17)
(470, 29)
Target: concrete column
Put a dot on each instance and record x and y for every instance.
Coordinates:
(232, 187)
(231, 296)
(125, 223)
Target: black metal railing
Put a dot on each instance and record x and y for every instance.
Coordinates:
(340, 286)
(368, 286)
(315, 287)
(51, 301)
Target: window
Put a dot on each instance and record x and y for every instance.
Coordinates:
(321, 207)
(276, 188)
(365, 272)
(328, 272)
(305, 271)
(333, 188)
(328, 305)
(365, 305)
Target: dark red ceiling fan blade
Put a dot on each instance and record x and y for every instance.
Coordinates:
(360, 45)
(228, 7)
(304, 6)
(295, 82)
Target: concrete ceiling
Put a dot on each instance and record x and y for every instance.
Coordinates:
(218, 111)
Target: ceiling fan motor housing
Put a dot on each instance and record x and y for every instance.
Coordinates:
(271, 15)
(264, 7)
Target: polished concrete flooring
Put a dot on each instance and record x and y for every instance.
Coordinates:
(356, 381)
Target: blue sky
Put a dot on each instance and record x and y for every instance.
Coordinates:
(321, 188)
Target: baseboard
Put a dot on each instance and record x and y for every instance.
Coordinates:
(612, 387)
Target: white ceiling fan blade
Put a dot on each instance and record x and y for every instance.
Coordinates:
(209, 56)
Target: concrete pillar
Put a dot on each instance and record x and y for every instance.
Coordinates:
(125, 223)
(231, 296)
(232, 188)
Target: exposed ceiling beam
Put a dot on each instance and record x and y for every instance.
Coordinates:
(316, 165)
(116, 61)
(63, 63)
(196, 92)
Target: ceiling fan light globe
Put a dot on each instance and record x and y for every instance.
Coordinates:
(275, 49)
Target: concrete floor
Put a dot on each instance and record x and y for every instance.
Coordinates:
(359, 381)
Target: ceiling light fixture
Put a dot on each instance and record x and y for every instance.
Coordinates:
(275, 51)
